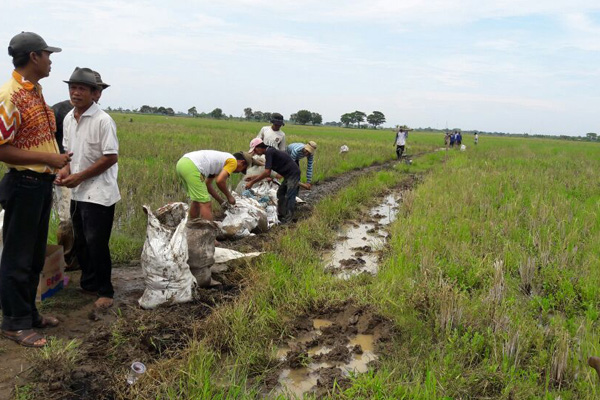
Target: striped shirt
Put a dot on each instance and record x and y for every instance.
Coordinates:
(295, 150)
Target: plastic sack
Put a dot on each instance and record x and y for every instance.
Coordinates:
(65, 236)
(223, 255)
(167, 275)
(344, 149)
(201, 235)
(245, 216)
(463, 147)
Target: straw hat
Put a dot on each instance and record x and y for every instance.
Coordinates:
(310, 147)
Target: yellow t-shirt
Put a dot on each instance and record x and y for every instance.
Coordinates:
(230, 165)
(26, 121)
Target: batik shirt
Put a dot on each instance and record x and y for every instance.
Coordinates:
(26, 121)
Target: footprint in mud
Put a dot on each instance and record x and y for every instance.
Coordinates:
(327, 347)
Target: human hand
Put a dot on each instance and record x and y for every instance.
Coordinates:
(249, 185)
(72, 180)
(231, 200)
(59, 160)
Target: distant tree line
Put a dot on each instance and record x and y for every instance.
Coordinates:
(375, 119)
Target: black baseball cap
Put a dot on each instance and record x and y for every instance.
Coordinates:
(277, 119)
(26, 42)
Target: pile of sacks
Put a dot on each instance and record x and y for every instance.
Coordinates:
(178, 255)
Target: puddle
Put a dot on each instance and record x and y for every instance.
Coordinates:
(356, 250)
(334, 361)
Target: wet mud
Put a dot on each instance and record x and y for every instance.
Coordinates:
(325, 348)
(360, 242)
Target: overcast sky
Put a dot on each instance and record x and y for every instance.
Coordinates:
(503, 65)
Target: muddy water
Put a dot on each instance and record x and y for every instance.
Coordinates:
(298, 381)
(355, 251)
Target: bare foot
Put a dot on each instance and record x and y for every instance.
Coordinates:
(104, 302)
(594, 362)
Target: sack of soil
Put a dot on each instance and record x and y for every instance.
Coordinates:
(245, 216)
(64, 235)
(65, 238)
(167, 275)
(201, 235)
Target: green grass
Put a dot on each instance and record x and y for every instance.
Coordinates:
(491, 279)
(151, 145)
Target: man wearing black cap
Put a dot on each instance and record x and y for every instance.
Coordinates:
(29, 150)
(92, 175)
(273, 135)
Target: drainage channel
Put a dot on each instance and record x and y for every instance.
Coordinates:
(310, 356)
(355, 252)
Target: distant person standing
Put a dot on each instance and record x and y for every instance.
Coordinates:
(458, 138)
(91, 134)
(476, 138)
(400, 141)
(29, 150)
(452, 139)
(300, 150)
(447, 139)
(273, 135)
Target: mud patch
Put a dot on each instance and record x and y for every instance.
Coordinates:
(356, 250)
(326, 347)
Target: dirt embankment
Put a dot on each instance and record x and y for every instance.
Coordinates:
(111, 340)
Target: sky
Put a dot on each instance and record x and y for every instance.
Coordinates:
(504, 65)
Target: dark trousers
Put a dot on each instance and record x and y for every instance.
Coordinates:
(399, 151)
(92, 225)
(286, 198)
(27, 201)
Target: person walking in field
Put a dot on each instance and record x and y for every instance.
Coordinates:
(280, 162)
(447, 139)
(400, 141)
(476, 138)
(91, 134)
(300, 150)
(452, 139)
(458, 138)
(198, 169)
(273, 135)
(29, 150)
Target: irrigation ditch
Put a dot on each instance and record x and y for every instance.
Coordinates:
(323, 346)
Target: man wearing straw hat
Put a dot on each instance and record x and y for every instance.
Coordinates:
(300, 150)
(92, 175)
(400, 141)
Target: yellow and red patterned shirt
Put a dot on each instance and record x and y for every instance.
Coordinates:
(26, 121)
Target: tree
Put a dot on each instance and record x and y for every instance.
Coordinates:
(169, 111)
(346, 119)
(146, 109)
(316, 118)
(248, 113)
(303, 117)
(591, 136)
(192, 111)
(217, 113)
(358, 117)
(376, 118)
(293, 117)
(258, 115)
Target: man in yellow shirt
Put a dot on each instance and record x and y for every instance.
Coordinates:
(198, 169)
(29, 150)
